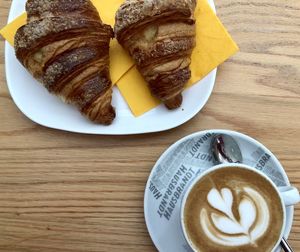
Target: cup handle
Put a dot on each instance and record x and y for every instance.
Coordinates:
(290, 195)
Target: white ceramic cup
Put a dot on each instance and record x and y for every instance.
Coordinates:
(289, 196)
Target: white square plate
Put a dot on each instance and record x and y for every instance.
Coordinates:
(47, 110)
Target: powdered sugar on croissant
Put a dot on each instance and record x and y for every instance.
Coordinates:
(65, 45)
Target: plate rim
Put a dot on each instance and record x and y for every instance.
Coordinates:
(289, 219)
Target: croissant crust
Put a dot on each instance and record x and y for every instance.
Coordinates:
(160, 37)
(65, 45)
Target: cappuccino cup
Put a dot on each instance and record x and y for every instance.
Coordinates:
(235, 207)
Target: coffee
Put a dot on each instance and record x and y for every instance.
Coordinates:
(233, 209)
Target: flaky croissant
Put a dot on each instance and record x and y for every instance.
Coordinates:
(65, 45)
(160, 37)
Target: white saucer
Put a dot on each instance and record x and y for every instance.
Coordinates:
(163, 221)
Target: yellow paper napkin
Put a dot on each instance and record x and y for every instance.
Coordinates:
(214, 46)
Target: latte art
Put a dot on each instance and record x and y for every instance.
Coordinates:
(224, 228)
(233, 209)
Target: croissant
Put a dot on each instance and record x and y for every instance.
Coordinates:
(160, 36)
(65, 46)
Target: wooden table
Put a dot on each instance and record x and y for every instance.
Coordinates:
(68, 192)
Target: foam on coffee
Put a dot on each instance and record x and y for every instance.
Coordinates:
(233, 209)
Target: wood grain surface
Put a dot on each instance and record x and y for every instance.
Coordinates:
(68, 192)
